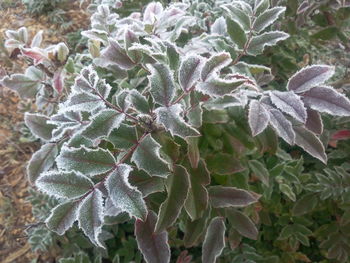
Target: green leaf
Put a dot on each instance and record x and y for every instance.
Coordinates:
(223, 164)
(224, 196)
(68, 185)
(258, 43)
(214, 64)
(242, 223)
(217, 87)
(172, 121)
(162, 84)
(37, 123)
(147, 158)
(62, 217)
(197, 199)
(123, 137)
(87, 161)
(139, 102)
(177, 185)
(90, 217)
(102, 124)
(214, 241)
(41, 161)
(154, 246)
(236, 33)
(259, 171)
(189, 71)
(239, 15)
(123, 195)
(194, 231)
(305, 204)
(267, 18)
(145, 183)
(288, 191)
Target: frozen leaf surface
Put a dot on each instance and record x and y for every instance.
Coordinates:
(282, 126)
(221, 196)
(62, 217)
(38, 125)
(214, 241)
(258, 43)
(258, 117)
(217, 87)
(214, 64)
(189, 71)
(314, 121)
(267, 18)
(236, 33)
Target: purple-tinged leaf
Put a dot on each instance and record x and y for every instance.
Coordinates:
(67, 185)
(194, 231)
(217, 87)
(221, 196)
(243, 224)
(214, 64)
(193, 151)
(102, 124)
(39, 126)
(152, 11)
(153, 246)
(310, 143)
(114, 54)
(62, 217)
(124, 195)
(58, 81)
(267, 18)
(309, 77)
(170, 118)
(328, 100)
(223, 164)
(145, 183)
(267, 39)
(219, 27)
(87, 161)
(90, 216)
(177, 185)
(129, 38)
(282, 126)
(314, 121)
(197, 198)
(41, 161)
(214, 241)
(147, 158)
(289, 103)
(258, 117)
(162, 84)
(189, 71)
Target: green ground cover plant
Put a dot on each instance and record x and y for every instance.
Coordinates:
(168, 141)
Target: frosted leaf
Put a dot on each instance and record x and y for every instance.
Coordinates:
(189, 71)
(214, 64)
(197, 199)
(221, 103)
(260, 6)
(236, 33)
(162, 84)
(81, 102)
(78, 140)
(217, 87)
(219, 27)
(39, 126)
(145, 183)
(267, 18)
(139, 101)
(309, 77)
(152, 11)
(62, 217)
(258, 117)
(172, 121)
(124, 137)
(153, 246)
(97, 35)
(172, 55)
(129, 38)
(310, 143)
(221, 196)
(289, 103)
(177, 185)
(314, 121)
(90, 216)
(194, 116)
(110, 208)
(238, 15)
(328, 100)
(37, 39)
(123, 195)
(68, 185)
(147, 158)
(102, 124)
(214, 241)
(243, 224)
(282, 126)
(41, 161)
(115, 54)
(258, 43)
(87, 161)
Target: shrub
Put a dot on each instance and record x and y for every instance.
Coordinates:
(168, 125)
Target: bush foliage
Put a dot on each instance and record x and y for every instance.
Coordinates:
(163, 138)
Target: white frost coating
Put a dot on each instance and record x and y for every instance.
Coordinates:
(267, 18)
(214, 241)
(170, 118)
(309, 77)
(327, 99)
(67, 185)
(271, 38)
(38, 125)
(217, 87)
(90, 216)
(214, 64)
(123, 195)
(189, 71)
(289, 103)
(258, 117)
(111, 209)
(282, 126)
(81, 101)
(219, 26)
(152, 12)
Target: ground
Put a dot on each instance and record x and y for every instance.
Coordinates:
(15, 212)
